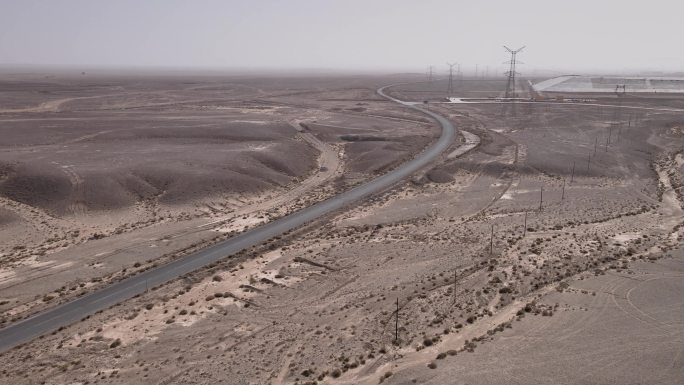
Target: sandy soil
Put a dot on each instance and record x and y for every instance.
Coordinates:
(148, 169)
(549, 253)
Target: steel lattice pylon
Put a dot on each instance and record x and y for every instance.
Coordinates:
(510, 87)
(450, 89)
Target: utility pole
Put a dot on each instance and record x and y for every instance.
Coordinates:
(450, 89)
(588, 162)
(563, 193)
(541, 197)
(455, 280)
(396, 325)
(491, 242)
(610, 133)
(525, 225)
(572, 176)
(595, 145)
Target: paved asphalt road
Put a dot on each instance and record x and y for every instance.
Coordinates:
(106, 297)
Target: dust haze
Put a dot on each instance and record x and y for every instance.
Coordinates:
(342, 35)
(305, 193)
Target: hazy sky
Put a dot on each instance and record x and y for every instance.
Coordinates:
(344, 34)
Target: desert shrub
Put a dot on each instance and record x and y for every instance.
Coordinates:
(432, 365)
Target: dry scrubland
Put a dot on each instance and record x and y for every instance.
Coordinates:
(588, 292)
(104, 177)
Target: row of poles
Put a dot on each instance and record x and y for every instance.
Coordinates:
(510, 92)
(478, 74)
(491, 238)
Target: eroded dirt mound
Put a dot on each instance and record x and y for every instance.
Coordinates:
(439, 175)
(40, 187)
(177, 164)
(379, 156)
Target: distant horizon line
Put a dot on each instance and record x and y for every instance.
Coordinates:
(263, 70)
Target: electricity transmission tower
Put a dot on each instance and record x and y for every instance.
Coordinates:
(459, 75)
(510, 87)
(511, 95)
(450, 89)
(429, 73)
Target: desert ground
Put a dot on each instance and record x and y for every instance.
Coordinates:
(102, 178)
(545, 246)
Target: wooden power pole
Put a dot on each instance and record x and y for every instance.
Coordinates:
(491, 242)
(563, 191)
(396, 324)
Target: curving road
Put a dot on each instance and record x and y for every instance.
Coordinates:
(106, 297)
